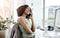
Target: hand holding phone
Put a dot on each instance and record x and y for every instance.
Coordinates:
(28, 16)
(31, 16)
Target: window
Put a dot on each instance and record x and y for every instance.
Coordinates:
(37, 9)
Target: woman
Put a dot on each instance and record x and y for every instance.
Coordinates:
(27, 27)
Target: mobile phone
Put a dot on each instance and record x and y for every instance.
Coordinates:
(28, 15)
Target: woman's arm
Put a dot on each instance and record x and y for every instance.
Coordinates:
(33, 27)
(25, 26)
(32, 20)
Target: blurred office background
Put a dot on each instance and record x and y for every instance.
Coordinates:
(44, 13)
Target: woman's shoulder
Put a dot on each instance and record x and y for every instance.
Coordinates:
(21, 18)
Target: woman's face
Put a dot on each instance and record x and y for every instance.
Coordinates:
(27, 11)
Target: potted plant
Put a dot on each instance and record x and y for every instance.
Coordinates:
(2, 28)
(3, 25)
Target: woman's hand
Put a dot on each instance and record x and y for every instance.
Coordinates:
(31, 17)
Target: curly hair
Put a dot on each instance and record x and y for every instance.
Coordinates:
(21, 9)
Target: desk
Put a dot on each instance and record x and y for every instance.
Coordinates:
(39, 34)
(49, 34)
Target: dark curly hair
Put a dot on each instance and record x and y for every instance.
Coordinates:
(21, 9)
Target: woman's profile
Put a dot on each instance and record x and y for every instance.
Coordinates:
(27, 27)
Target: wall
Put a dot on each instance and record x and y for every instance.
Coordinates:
(6, 8)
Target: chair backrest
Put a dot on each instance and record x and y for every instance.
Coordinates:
(16, 32)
